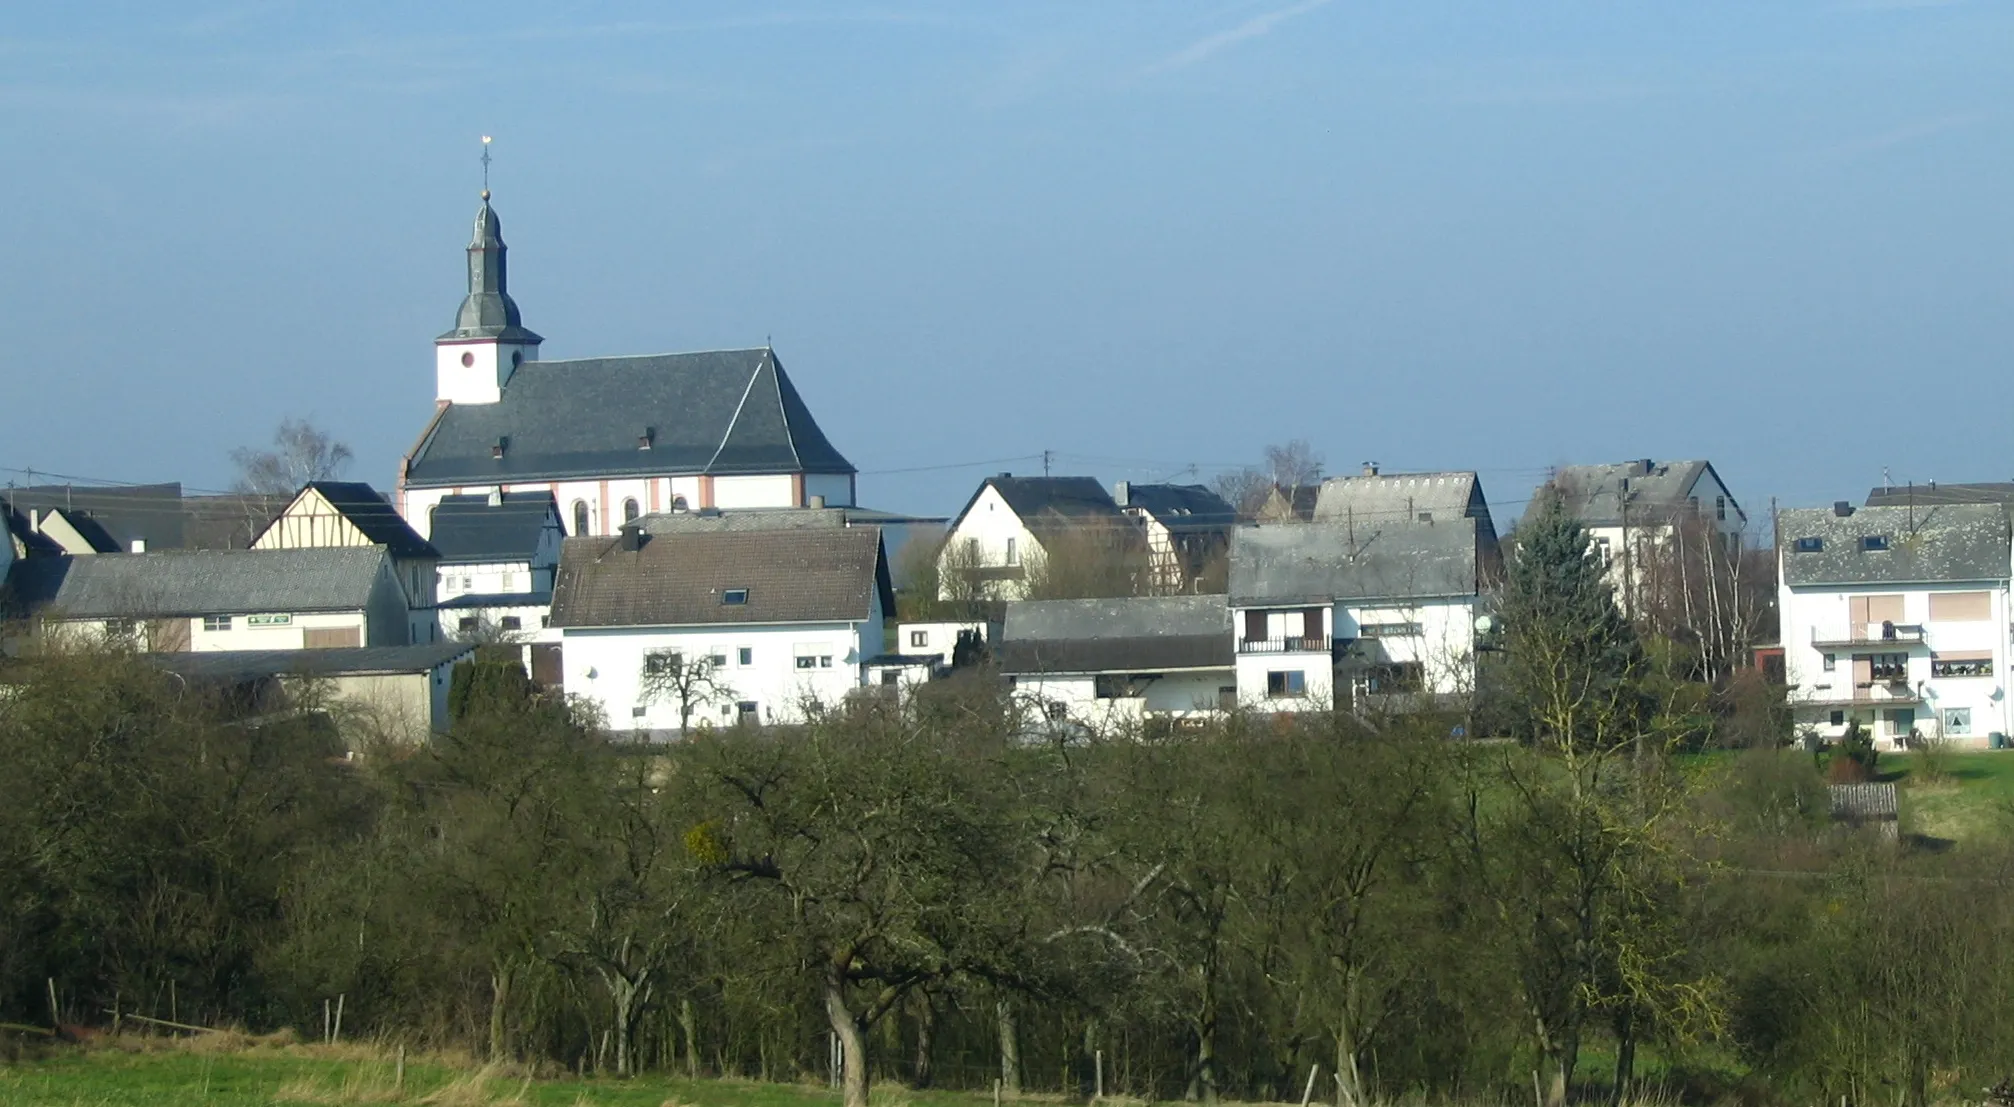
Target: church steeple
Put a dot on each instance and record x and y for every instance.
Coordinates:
(488, 311)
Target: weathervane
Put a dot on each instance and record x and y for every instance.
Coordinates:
(486, 167)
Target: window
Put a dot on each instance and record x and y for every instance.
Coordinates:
(544, 622)
(1886, 666)
(919, 639)
(216, 622)
(1831, 662)
(1057, 712)
(1961, 607)
(1962, 665)
(1227, 697)
(1281, 685)
(748, 655)
(637, 712)
(1956, 720)
(468, 624)
(1873, 541)
(972, 547)
(807, 662)
(511, 622)
(659, 662)
(1013, 555)
(509, 582)
(746, 710)
(1391, 630)
(1720, 508)
(1808, 545)
(1607, 551)
(579, 518)
(825, 661)
(630, 510)
(735, 597)
(120, 628)
(1839, 718)
(718, 660)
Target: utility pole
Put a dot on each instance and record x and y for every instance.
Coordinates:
(1046, 456)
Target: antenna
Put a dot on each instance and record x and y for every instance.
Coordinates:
(486, 167)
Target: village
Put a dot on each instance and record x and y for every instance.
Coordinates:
(676, 540)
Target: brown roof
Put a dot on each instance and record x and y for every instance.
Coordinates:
(796, 576)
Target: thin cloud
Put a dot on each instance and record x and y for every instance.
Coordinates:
(1256, 27)
(1870, 145)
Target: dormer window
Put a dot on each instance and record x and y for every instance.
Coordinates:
(1873, 541)
(497, 449)
(1809, 545)
(644, 440)
(735, 597)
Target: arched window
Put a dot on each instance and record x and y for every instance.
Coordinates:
(579, 518)
(629, 510)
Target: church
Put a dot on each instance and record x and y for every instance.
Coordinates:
(611, 438)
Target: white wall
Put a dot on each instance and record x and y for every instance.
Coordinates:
(604, 498)
(939, 639)
(606, 666)
(482, 380)
(486, 578)
(993, 526)
(755, 491)
(1444, 649)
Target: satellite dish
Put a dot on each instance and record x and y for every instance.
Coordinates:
(1485, 624)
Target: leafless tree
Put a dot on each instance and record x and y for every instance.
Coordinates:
(1286, 466)
(1707, 591)
(689, 682)
(300, 452)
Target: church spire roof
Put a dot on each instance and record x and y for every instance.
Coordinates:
(488, 311)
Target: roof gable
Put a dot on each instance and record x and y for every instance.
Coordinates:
(468, 529)
(1050, 504)
(360, 514)
(721, 412)
(1329, 562)
(1595, 494)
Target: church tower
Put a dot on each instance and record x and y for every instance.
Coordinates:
(474, 361)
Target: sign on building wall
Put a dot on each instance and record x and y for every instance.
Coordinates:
(269, 620)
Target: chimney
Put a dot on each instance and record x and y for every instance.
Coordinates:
(632, 538)
(1370, 468)
(139, 545)
(1003, 476)
(818, 503)
(496, 496)
(1842, 508)
(1122, 490)
(497, 451)
(1648, 464)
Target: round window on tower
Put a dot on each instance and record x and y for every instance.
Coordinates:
(468, 359)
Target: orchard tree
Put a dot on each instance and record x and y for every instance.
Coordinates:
(300, 453)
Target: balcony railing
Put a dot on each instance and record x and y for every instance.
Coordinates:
(1870, 634)
(1299, 643)
(1875, 693)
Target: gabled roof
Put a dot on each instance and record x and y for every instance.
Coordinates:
(1320, 563)
(1048, 504)
(1945, 543)
(722, 412)
(373, 515)
(198, 582)
(1595, 494)
(794, 576)
(1182, 508)
(1134, 634)
(778, 518)
(469, 529)
(228, 521)
(1927, 494)
(239, 665)
(1287, 505)
(1377, 499)
(151, 513)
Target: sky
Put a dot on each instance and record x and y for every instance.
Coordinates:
(1149, 237)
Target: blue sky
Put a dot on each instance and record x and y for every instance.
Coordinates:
(1146, 236)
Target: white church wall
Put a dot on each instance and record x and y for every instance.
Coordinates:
(755, 491)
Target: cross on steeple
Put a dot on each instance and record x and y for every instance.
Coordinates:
(486, 167)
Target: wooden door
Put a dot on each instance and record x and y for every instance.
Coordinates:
(331, 638)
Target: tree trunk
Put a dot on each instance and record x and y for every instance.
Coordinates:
(688, 1026)
(500, 982)
(1349, 1081)
(1625, 1059)
(852, 1043)
(1206, 1043)
(926, 1033)
(1010, 1049)
(625, 999)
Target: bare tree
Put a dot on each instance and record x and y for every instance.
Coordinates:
(690, 682)
(301, 452)
(1285, 466)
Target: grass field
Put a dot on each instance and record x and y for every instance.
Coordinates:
(1971, 800)
(231, 1071)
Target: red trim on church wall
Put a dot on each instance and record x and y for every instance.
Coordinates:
(606, 529)
(797, 489)
(705, 490)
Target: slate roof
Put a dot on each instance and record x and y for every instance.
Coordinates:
(1391, 498)
(799, 576)
(198, 582)
(1929, 494)
(478, 600)
(350, 661)
(1182, 508)
(1926, 545)
(1321, 563)
(1133, 634)
(152, 513)
(228, 521)
(785, 518)
(1594, 493)
(1050, 504)
(467, 529)
(368, 510)
(723, 412)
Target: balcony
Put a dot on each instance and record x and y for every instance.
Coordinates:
(1875, 693)
(1869, 634)
(1299, 643)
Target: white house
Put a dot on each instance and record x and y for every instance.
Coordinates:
(1631, 508)
(786, 619)
(341, 514)
(1011, 524)
(289, 599)
(498, 554)
(611, 438)
(1896, 618)
(1119, 662)
(1187, 529)
(1337, 615)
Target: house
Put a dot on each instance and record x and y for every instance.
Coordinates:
(342, 514)
(1119, 662)
(899, 531)
(136, 518)
(1187, 529)
(498, 555)
(1013, 526)
(1328, 614)
(1931, 494)
(756, 626)
(1288, 505)
(1896, 618)
(175, 600)
(1380, 500)
(611, 438)
(1633, 508)
(945, 642)
(397, 692)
